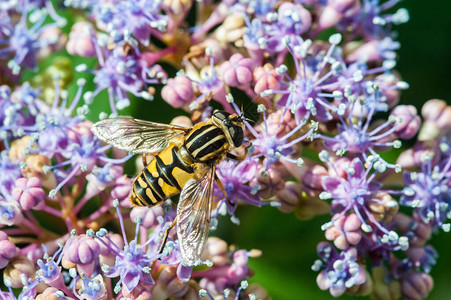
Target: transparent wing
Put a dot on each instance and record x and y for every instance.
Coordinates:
(136, 136)
(193, 216)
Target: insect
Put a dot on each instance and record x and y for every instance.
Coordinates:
(185, 162)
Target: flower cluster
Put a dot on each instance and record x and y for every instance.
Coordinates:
(323, 131)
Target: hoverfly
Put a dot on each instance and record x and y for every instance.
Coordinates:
(185, 161)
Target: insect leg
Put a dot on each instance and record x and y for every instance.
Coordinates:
(166, 235)
(223, 189)
(235, 157)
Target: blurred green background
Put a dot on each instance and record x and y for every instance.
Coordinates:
(289, 245)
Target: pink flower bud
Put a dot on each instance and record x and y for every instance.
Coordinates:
(148, 216)
(216, 251)
(178, 91)
(80, 131)
(412, 157)
(80, 40)
(174, 286)
(54, 39)
(265, 78)
(437, 120)
(237, 71)
(121, 190)
(345, 231)
(311, 182)
(83, 251)
(289, 197)
(304, 16)
(50, 294)
(416, 286)
(335, 11)
(19, 265)
(238, 270)
(270, 182)
(7, 252)
(410, 123)
(29, 193)
(106, 255)
(176, 7)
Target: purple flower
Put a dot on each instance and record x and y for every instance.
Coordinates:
(132, 263)
(357, 138)
(22, 42)
(49, 270)
(9, 173)
(234, 178)
(130, 20)
(92, 288)
(304, 94)
(273, 144)
(361, 194)
(119, 74)
(340, 270)
(292, 21)
(428, 191)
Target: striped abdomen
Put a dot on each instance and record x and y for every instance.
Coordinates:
(206, 142)
(164, 177)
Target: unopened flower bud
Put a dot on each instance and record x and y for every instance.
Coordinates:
(335, 11)
(29, 193)
(231, 29)
(149, 216)
(311, 182)
(345, 231)
(413, 157)
(176, 7)
(83, 251)
(52, 293)
(289, 197)
(107, 257)
(238, 270)
(54, 39)
(416, 285)
(437, 120)
(383, 290)
(80, 40)
(410, 123)
(265, 78)
(383, 207)
(178, 91)
(36, 167)
(270, 183)
(215, 251)
(19, 265)
(174, 286)
(121, 190)
(237, 71)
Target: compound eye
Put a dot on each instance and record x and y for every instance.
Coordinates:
(237, 135)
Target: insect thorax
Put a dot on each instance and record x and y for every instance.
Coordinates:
(206, 143)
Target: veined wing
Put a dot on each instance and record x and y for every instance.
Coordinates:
(136, 136)
(193, 217)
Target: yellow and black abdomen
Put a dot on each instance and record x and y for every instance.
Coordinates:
(163, 178)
